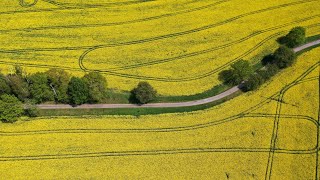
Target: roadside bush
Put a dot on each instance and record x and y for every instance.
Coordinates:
(10, 108)
(58, 81)
(31, 109)
(19, 86)
(284, 57)
(254, 81)
(296, 37)
(78, 91)
(97, 86)
(144, 93)
(4, 85)
(39, 88)
(240, 71)
(269, 71)
(268, 59)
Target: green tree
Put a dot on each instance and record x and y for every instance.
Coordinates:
(240, 71)
(4, 85)
(31, 109)
(284, 57)
(296, 37)
(144, 93)
(97, 86)
(58, 82)
(254, 81)
(269, 71)
(39, 88)
(19, 86)
(78, 91)
(10, 108)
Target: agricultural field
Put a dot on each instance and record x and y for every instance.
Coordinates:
(221, 142)
(179, 46)
(141, 40)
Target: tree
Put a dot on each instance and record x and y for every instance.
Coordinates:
(10, 108)
(19, 86)
(144, 93)
(97, 86)
(31, 109)
(39, 88)
(269, 71)
(78, 91)
(240, 71)
(268, 59)
(4, 85)
(296, 37)
(58, 82)
(227, 76)
(284, 57)
(254, 81)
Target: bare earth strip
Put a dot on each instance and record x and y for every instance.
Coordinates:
(163, 105)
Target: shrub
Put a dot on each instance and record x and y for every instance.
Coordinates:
(39, 88)
(144, 93)
(296, 37)
(97, 86)
(78, 91)
(4, 85)
(254, 81)
(19, 86)
(10, 108)
(31, 109)
(269, 71)
(268, 59)
(239, 72)
(58, 82)
(284, 57)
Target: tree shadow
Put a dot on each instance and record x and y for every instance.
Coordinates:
(268, 59)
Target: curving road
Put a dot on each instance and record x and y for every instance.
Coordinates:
(164, 105)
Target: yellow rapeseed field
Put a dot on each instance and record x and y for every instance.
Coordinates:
(217, 143)
(178, 46)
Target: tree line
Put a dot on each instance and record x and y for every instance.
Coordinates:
(20, 92)
(241, 72)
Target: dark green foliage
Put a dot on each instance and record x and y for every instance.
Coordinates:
(296, 37)
(268, 59)
(4, 85)
(284, 57)
(19, 86)
(19, 71)
(78, 91)
(240, 71)
(97, 86)
(10, 108)
(254, 81)
(31, 109)
(39, 88)
(227, 76)
(58, 82)
(144, 93)
(269, 71)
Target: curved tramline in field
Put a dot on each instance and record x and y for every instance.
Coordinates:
(201, 48)
(166, 105)
(23, 3)
(241, 137)
(182, 65)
